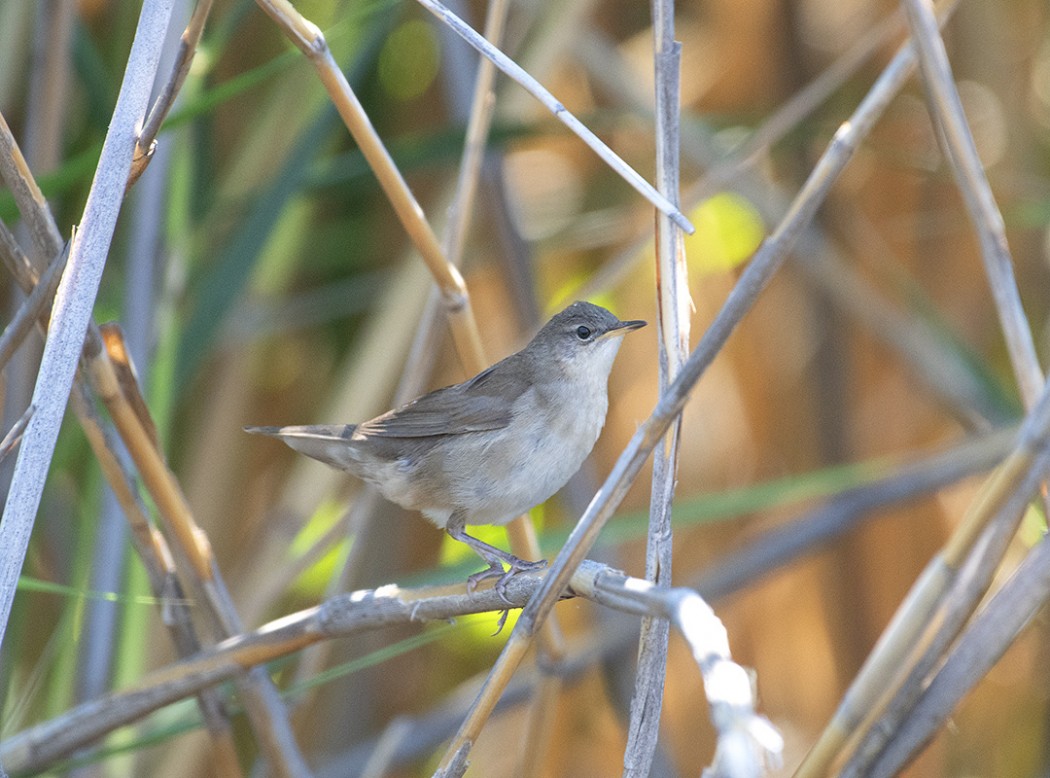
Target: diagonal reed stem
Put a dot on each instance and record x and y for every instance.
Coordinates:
(515, 71)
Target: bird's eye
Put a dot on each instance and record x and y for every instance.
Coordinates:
(583, 332)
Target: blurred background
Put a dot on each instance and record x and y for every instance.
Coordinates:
(262, 278)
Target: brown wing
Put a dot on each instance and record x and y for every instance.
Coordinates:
(482, 403)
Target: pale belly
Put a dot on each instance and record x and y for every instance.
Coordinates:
(496, 476)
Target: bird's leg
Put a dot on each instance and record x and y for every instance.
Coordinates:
(496, 558)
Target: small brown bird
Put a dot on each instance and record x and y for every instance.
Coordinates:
(488, 449)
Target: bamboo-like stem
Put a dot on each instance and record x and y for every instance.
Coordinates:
(961, 152)
(515, 71)
(306, 35)
(673, 308)
(146, 142)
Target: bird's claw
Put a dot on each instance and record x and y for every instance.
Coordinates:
(495, 570)
(501, 622)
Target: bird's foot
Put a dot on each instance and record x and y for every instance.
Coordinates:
(503, 577)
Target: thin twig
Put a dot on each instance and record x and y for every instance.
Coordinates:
(512, 69)
(482, 107)
(32, 308)
(14, 434)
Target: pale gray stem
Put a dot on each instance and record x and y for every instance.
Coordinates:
(673, 340)
(75, 298)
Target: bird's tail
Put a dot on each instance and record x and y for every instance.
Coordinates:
(329, 443)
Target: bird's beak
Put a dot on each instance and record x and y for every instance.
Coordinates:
(623, 328)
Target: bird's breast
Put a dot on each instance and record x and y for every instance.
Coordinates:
(535, 456)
